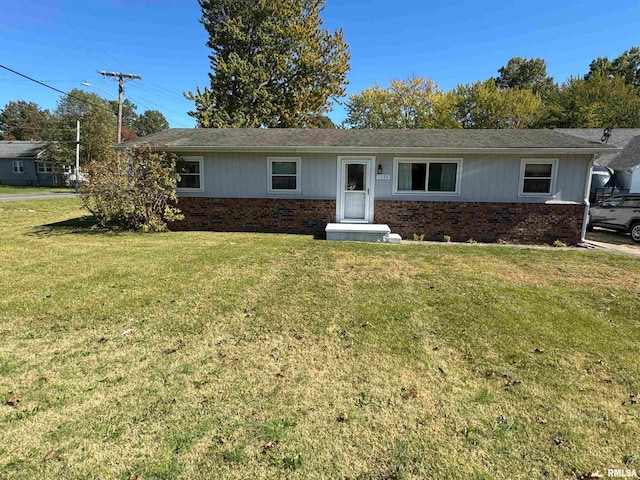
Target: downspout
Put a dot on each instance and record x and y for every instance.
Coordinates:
(587, 191)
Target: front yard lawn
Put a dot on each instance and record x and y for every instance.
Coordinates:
(234, 356)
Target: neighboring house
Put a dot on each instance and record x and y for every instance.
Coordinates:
(514, 185)
(624, 163)
(25, 163)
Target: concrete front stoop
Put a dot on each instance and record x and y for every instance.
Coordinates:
(361, 232)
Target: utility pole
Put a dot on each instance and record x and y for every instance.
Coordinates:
(122, 77)
(77, 155)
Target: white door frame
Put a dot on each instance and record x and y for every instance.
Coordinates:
(370, 162)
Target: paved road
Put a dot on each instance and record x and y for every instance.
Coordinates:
(34, 196)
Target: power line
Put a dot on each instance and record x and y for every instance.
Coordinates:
(47, 81)
(122, 78)
(162, 91)
(77, 46)
(49, 86)
(163, 111)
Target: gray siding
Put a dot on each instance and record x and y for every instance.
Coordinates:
(29, 177)
(244, 175)
(484, 178)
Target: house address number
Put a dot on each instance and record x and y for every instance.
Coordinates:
(383, 176)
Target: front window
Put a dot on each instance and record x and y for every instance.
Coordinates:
(537, 176)
(284, 175)
(18, 166)
(45, 167)
(190, 171)
(427, 176)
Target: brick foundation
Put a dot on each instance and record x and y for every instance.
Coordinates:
(309, 217)
(484, 222)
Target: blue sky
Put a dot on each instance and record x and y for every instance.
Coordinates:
(65, 42)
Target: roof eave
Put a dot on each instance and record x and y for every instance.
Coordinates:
(368, 150)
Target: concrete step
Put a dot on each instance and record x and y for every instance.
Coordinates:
(361, 232)
(394, 238)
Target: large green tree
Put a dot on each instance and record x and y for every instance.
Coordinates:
(485, 105)
(134, 125)
(598, 102)
(528, 74)
(151, 121)
(97, 127)
(415, 102)
(129, 114)
(272, 64)
(22, 120)
(627, 66)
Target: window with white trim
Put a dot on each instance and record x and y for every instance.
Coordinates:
(421, 175)
(284, 175)
(190, 170)
(45, 167)
(18, 166)
(538, 176)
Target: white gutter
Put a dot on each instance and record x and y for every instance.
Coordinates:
(587, 194)
(369, 150)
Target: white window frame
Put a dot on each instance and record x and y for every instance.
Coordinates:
(428, 161)
(18, 166)
(200, 160)
(44, 167)
(270, 174)
(552, 183)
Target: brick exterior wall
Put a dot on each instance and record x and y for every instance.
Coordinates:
(484, 222)
(271, 215)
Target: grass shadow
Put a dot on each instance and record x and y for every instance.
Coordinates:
(85, 225)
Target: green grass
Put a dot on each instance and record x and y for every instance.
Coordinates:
(20, 190)
(232, 356)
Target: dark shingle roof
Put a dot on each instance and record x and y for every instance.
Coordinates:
(628, 139)
(629, 157)
(20, 149)
(182, 139)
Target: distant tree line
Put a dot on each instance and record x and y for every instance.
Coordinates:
(274, 65)
(22, 120)
(521, 96)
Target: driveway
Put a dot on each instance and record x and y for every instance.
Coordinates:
(613, 242)
(34, 196)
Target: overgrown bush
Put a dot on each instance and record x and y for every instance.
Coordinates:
(134, 191)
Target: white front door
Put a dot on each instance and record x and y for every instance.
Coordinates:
(355, 190)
